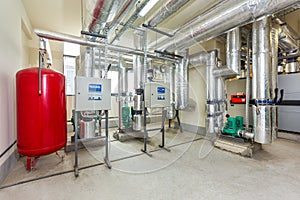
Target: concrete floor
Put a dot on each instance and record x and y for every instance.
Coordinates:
(192, 170)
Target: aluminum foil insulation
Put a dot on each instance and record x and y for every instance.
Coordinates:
(261, 81)
(264, 59)
(181, 82)
(233, 55)
(87, 66)
(170, 79)
(274, 81)
(123, 80)
(262, 124)
(211, 107)
(130, 21)
(120, 17)
(170, 8)
(287, 37)
(138, 63)
(222, 18)
(99, 12)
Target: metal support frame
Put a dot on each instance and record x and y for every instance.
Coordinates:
(77, 140)
(164, 116)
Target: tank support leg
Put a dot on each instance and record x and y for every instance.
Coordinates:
(106, 159)
(164, 115)
(31, 163)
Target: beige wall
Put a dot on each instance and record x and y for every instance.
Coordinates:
(15, 32)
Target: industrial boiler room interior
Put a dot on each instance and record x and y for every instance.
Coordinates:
(149, 99)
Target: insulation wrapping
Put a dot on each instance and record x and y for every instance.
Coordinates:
(222, 18)
(181, 82)
(170, 8)
(170, 79)
(98, 13)
(262, 124)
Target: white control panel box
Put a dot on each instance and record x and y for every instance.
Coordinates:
(157, 95)
(92, 94)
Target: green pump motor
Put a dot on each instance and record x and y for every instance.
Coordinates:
(233, 126)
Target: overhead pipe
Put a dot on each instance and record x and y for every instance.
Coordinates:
(287, 37)
(223, 18)
(103, 12)
(127, 7)
(81, 41)
(130, 21)
(166, 11)
(162, 40)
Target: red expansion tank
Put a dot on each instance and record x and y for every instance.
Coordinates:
(41, 119)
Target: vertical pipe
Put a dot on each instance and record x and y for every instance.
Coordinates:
(171, 81)
(274, 81)
(210, 93)
(248, 81)
(181, 81)
(262, 55)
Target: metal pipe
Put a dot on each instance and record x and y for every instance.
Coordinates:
(128, 5)
(81, 41)
(170, 8)
(262, 54)
(171, 80)
(211, 93)
(130, 21)
(287, 37)
(274, 81)
(224, 17)
(248, 82)
(103, 12)
(181, 82)
(233, 55)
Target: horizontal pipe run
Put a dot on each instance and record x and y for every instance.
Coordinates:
(81, 41)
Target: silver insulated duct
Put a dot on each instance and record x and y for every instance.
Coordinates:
(171, 7)
(181, 81)
(262, 61)
(170, 79)
(222, 18)
(99, 13)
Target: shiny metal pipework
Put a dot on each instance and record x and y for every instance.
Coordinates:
(287, 37)
(130, 21)
(211, 63)
(103, 12)
(166, 11)
(223, 18)
(81, 41)
(170, 79)
(126, 8)
(292, 67)
(181, 82)
(233, 55)
(247, 114)
(262, 113)
(274, 80)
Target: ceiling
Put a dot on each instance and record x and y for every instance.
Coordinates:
(65, 16)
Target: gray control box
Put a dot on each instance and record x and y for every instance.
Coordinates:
(157, 95)
(92, 93)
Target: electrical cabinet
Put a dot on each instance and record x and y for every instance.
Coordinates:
(92, 94)
(157, 95)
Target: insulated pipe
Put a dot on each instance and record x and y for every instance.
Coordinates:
(181, 81)
(171, 81)
(103, 12)
(81, 41)
(274, 81)
(170, 8)
(224, 17)
(127, 7)
(130, 21)
(211, 63)
(261, 75)
(233, 55)
(287, 37)
(248, 82)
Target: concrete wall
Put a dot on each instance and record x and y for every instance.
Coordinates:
(15, 31)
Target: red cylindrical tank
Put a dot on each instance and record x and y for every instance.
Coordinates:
(41, 118)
